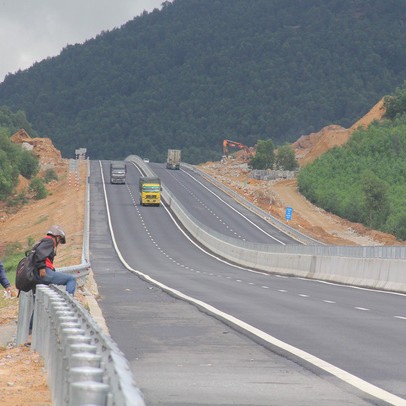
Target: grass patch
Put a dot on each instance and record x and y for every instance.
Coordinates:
(42, 219)
(13, 255)
(10, 265)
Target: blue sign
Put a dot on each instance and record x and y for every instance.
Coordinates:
(288, 215)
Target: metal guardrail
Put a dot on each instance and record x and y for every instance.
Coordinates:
(84, 366)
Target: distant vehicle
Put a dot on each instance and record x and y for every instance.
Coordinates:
(118, 171)
(173, 160)
(146, 160)
(150, 191)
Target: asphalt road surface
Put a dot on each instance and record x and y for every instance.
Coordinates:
(182, 356)
(217, 210)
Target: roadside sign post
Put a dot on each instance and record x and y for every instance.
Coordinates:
(288, 214)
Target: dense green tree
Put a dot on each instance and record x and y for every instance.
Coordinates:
(285, 158)
(9, 165)
(13, 122)
(400, 227)
(264, 156)
(396, 104)
(13, 159)
(8, 175)
(376, 204)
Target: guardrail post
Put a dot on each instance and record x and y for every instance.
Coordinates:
(77, 347)
(65, 330)
(25, 307)
(88, 393)
(85, 374)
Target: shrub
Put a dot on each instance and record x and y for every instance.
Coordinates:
(38, 188)
(28, 164)
(50, 175)
(400, 228)
(18, 200)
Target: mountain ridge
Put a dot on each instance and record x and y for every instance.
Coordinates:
(196, 72)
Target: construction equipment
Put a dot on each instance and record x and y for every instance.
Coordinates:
(150, 191)
(173, 160)
(229, 143)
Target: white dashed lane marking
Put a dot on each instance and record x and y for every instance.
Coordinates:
(229, 277)
(206, 207)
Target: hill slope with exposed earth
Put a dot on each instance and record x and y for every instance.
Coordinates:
(19, 367)
(275, 196)
(22, 373)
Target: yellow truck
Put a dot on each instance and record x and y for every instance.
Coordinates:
(150, 191)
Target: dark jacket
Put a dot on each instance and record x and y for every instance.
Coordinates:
(3, 278)
(45, 253)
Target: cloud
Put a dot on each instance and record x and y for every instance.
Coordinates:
(32, 30)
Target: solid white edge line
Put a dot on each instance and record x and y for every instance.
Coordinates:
(232, 208)
(206, 252)
(325, 366)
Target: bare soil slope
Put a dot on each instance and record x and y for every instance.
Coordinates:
(309, 147)
(22, 373)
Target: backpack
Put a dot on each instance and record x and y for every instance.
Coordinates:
(26, 273)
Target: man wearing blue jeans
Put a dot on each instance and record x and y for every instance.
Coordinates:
(45, 252)
(44, 257)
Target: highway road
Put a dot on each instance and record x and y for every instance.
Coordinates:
(217, 210)
(359, 331)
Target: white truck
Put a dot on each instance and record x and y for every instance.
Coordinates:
(118, 171)
(173, 160)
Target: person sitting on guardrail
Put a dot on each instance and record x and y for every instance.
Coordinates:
(45, 253)
(44, 257)
(5, 282)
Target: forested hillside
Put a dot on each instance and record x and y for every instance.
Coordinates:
(199, 71)
(14, 160)
(365, 180)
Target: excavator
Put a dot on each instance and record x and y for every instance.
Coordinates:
(229, 143)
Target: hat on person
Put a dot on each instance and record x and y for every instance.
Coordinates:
(57, 231)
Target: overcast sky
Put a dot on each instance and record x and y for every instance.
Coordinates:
(32, 30)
